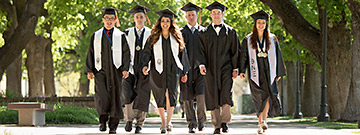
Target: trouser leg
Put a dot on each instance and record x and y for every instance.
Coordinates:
(129, 112)
(114, 122)
(225, 113)
(190, 113)
(201, 108)
(215, 118)
(140, 117)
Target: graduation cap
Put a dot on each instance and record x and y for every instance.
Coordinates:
(192, 7)
(111, 11)
(140, 9)
(217, 5)
(167, 13)
(261, 15)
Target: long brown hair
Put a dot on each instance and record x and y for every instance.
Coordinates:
(254, 37)
(174, 31)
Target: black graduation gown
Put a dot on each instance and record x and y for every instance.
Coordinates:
(266, 90)
(219, 54)
(136, 88)
(170, 76)
(108, 79)
(195, 83)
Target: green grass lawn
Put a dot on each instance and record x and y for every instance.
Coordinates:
(313, 121)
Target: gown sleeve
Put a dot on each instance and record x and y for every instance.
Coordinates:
(126, 53)
(185, 61)
(244, 56)
(235, 45)
(145, 55)
(280, 70)
(202, 48)
(90, 62)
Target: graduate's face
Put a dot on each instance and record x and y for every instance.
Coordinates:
(165, 23)
(191, 16)
(139, 18)
(109, 21)
(260, 24)
(216, 15)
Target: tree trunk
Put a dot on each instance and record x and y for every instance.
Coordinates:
(291, 87)
(338, 58)
(49, 76)
(312, 91)
(19, 38)
(83, 87)
(352, 109)
(35, 51)
(13, 78)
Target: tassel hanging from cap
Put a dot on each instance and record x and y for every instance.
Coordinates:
(147, 17)
(199, 16)
(117, 20)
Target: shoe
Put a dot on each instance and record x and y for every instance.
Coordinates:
(201, 126)
(264, 126)
(112, 131)
(138, 130)
(182, 115)
(163, 130)
(128, 126)
(191, 130)
(260, 130)
(169, 127)
(225, 127)
(102, 127)
(217, 131)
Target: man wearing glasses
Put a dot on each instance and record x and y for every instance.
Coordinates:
(108, 59)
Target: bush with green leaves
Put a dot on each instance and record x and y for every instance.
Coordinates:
(62, 114)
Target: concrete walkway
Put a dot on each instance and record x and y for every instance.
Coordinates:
(240, 125)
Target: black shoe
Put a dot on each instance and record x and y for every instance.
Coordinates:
(112, 131)
(217, 131)
(128, 126)
(201, 126)
(102, 127)
(182, 115)
(138, 130)
(191, 130)
(225, 127)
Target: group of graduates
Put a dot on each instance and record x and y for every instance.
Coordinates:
(128, 65)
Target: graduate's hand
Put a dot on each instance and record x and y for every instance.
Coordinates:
(242, 75)
(278, 78)
(125, 74)
(144, 70)
(90, 75)
(234, 74)
(184, 78)
(203, 70)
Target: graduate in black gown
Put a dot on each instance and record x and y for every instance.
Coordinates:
(219, 63)
(136, 88)
(261, 55)
(163, 50)
(108, 59)
(193, 90)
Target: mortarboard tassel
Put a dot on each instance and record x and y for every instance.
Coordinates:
(147, 17)
(117, 20)
(200, 17)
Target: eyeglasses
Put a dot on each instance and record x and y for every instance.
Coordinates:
(109, 19)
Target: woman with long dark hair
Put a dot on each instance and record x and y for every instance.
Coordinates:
(261, 55)
(165, 49)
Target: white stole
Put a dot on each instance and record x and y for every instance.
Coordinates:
(254, 70)
(158, 54)
(116, 48)
(132, 44)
